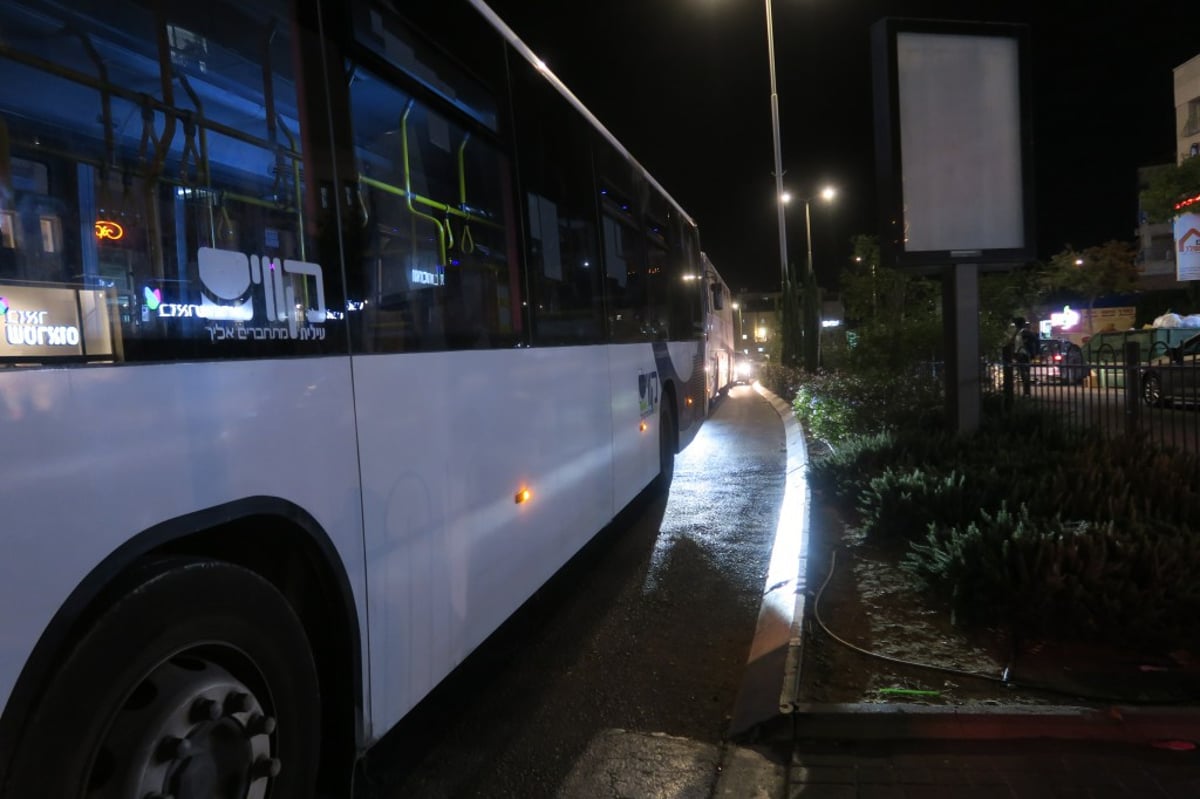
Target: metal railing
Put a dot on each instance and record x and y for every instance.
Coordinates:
(1151, 394)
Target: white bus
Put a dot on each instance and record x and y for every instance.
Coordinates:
(331, 330)
(720, 347)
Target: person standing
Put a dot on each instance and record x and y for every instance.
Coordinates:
(1024, 349)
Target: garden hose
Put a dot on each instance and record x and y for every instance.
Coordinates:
(879, 655)
(1002, 680)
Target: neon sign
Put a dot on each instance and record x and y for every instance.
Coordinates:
(106, 229)
(224, 313)
(1066, 320)
(1180, 206)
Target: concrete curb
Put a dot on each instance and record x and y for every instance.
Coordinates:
(771, 682)
(768, 705)
(867, 722)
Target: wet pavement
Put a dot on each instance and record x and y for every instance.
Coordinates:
(854, 751)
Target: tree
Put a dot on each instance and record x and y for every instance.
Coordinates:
(898, 311)
(896, 314)
(1169, 185)
(790, 344)
(1002, 296)
(1095, 272)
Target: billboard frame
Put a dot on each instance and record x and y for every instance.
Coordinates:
(889, 147)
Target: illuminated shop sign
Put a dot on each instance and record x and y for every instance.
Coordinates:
(47, 322)
(178, 310)
(39, 322)
(1187, 239)
(292, 293)
(109, 230)
(33, 329)
(1066, 319)
(420, 277)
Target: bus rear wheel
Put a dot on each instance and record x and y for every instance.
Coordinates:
(197, 681)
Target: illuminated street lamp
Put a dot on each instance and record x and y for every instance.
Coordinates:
(827, 194)
(812, 308)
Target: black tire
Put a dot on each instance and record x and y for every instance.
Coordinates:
(666, 446)
(197, 681)
(1073, 371)
(1152, 390)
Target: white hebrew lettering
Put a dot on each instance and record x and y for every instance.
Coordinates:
(228, 278)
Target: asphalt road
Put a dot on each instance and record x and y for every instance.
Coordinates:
(647, 630)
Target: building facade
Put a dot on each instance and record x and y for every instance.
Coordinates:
(1156, 241)
(1187, 108)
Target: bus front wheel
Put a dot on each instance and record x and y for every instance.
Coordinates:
(197, 681)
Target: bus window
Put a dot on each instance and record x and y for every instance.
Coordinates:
(562, 251)
(624, 269)
(151, 189)
(658, 276)
(686, 314)
(436, 270)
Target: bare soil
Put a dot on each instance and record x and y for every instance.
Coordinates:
(872, 636)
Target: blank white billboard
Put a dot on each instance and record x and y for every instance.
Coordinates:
(960, 142)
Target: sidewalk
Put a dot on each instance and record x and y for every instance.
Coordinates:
(783, 748)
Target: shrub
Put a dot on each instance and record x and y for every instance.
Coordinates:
(835, 406)
(1079, 579)
(827, 403)
(782, 380)
(902, 505)
(1103, 544)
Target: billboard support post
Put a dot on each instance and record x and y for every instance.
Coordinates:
(960, 318)
(954, 160)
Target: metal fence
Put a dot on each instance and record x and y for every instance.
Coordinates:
(1145, 392)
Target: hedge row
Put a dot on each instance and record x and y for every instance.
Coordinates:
(1032, 524)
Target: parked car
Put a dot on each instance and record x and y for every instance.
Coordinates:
(1058, 360)
(1174, 378)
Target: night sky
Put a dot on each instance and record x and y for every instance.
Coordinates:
(684, 85)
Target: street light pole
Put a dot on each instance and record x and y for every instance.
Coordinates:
(812, 327)
(812, 304)
(808, 269)
(779, 202)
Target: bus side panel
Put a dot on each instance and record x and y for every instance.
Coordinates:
(684, 364)
(447, 441)
(93, 456)
(637, 391)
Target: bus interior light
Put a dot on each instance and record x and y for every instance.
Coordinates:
(522, 496)
(643, 426)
